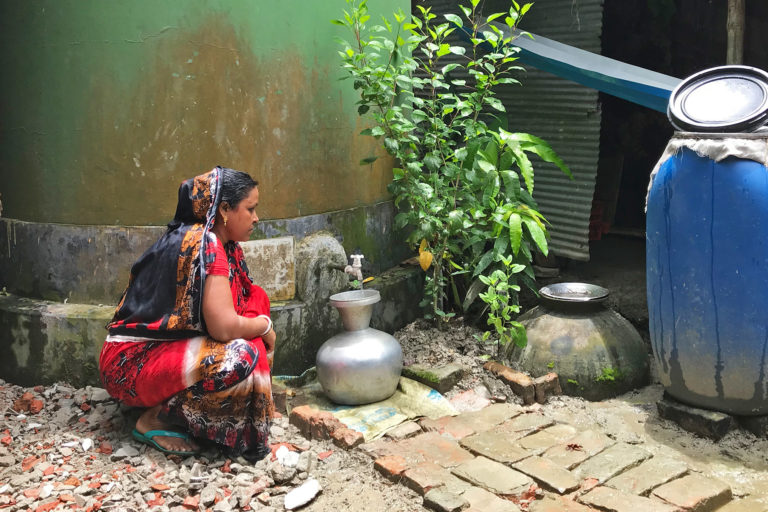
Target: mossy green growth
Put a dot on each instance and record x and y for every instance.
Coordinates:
(610, 374)
(353, 228)
(420, 374)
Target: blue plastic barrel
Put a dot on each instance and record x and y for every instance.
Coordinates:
(707, 272)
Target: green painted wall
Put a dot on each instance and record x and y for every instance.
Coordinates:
(106, 106)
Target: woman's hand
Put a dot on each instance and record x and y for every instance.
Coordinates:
(269, 340)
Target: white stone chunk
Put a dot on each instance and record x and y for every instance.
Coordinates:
(302, 495)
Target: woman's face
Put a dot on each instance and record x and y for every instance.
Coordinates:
(242, 218)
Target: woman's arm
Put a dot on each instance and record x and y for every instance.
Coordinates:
(221, 320)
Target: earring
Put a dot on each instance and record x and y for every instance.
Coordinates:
(225, 222)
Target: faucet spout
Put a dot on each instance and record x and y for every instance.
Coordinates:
(354, 272)
(356, 268)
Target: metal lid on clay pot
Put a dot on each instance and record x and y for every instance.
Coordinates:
(723, 99)
(574, 292)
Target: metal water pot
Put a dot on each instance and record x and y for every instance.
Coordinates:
(360, 365)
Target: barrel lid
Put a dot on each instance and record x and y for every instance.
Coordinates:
(721, 99)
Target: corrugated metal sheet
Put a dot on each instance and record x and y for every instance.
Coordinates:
(563, 113)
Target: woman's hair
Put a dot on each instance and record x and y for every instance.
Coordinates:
(235, 185)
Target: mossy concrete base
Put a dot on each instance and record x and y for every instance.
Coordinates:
(45, 342)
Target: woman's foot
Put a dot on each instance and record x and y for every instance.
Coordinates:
(149, 421)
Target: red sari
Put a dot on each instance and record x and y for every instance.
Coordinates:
(220, 391)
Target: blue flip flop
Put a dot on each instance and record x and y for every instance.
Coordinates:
(148, 438)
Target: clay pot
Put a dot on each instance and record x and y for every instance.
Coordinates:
(595, 351)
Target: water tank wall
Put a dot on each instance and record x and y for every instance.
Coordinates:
(106, 106)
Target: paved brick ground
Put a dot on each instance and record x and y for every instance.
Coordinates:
(506, 457)
(511, 458)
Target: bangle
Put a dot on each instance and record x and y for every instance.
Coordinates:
(269, 325)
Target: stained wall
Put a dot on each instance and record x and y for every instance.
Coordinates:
(106, 106)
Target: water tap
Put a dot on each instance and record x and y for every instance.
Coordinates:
(356, 268)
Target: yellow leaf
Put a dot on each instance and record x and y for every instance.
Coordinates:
(425, 260)
(423, 246)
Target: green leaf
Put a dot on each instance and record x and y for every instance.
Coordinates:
(491, 188)
(458, 50)
(444, 49)
(495, 103)
(433, 162)
(500, 245)
(377, 131)
(449, 67)
(391, 145)
(491, 152)
(511, 184)
(339, 22)
(368, 160)
(454, 19)
(526, 168)
(486, 260)
(398, 173)
(486, 165)
(362, 109)
(494, 16)
(537, 234)
(515, 232)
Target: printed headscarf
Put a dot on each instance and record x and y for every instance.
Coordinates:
(163, 299)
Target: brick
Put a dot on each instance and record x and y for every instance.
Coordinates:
(22, 404)
(481, 500)
(711, 424)
(576, 450)
(403, 431)
(547, 438)
(746, 505)
(280, 396)
(347, 438)
(441, 378)
(444, 501)
(454, 426)
(428, 475)
(652, 473)
(492, 476)
(695, 493)
(35, 406)
(561, 504)
(300, 417)
(323, 424)
(548, 474)
(429, 446)
(438, 449)
(525, 423)
(493, 415)
(391, 466)
(546, 386)
(499, 446)
(520, 383)
(613, 500)
(378, 448)
(611, 461)
(471, 399)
